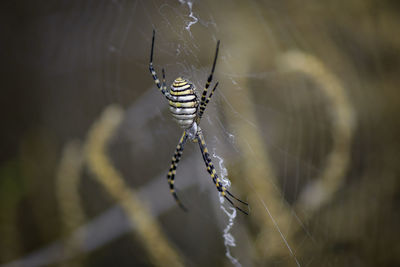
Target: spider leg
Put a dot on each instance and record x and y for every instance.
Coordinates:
(204, 94)
(172, 170)
(211, 170)
(204, 105)
(162, 88)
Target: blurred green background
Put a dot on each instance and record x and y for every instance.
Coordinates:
(305, 118)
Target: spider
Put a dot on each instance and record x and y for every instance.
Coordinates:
(187, 111)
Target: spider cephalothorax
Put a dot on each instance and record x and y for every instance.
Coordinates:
(187, 110)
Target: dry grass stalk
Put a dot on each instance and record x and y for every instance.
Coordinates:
(67, 191)
(322, 190)
(160, 251)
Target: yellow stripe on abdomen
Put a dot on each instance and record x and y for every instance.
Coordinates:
(190, 104)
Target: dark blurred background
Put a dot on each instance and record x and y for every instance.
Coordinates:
(305, 120)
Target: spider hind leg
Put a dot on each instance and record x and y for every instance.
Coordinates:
(236, 207)
(211, 170)
(172, 170)
(183, 207)
(224, 193)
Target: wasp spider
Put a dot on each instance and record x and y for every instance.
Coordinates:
(187, 110)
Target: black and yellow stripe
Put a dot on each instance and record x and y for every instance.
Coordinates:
(174, 164)
(183, 102)
(204, 99)
(211, 170)
(203, 105)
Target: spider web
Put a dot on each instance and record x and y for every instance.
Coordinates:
(273, 127)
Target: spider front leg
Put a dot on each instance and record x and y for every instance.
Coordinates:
(162, 87)
(204, 105)
(211, 170)
(204, 99)
(174, 164)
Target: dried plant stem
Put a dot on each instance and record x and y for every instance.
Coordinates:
(161, 252)
(323, 188)
(67, 191)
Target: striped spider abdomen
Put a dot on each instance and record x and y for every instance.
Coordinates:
(183, 102)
